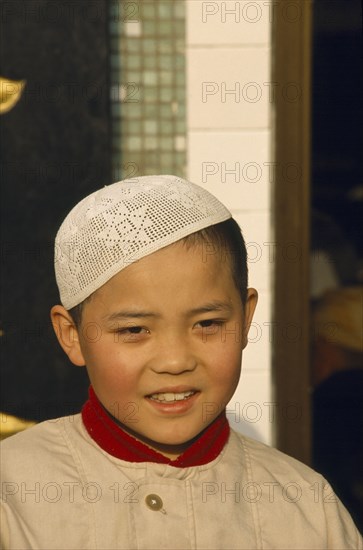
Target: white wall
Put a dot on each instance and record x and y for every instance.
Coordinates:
(229, 135)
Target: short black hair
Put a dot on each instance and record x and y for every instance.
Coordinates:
(224, 238)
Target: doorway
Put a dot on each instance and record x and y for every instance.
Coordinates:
(318, 214)
(336, 285)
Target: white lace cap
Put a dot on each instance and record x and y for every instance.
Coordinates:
(123, 222)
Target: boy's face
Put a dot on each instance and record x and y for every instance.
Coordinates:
(162, 341)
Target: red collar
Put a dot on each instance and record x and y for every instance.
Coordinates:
(116, 442)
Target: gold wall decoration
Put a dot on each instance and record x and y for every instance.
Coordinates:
(10, 93)
(10, 425)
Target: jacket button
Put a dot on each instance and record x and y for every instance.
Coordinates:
(154, 502)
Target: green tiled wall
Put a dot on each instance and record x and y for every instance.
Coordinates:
(147, 40)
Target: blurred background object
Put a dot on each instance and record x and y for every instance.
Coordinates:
(10, 425)
(337, 250)
(10, 93)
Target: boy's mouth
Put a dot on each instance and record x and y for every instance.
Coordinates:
(170, 397)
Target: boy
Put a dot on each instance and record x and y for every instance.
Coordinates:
(153, 283)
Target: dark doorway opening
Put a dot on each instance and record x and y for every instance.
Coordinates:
(337, 249)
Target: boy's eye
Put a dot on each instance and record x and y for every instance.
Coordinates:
(207, 323)
(131, 334)
(210, 326)
(210, 323)
(133, 330)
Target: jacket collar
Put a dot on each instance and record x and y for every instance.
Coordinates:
(110, 436)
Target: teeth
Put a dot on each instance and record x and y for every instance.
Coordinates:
(170, 397)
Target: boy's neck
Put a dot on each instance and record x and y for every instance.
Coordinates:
(122, 443)
(169, 451)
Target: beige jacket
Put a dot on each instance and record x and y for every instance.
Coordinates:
(61, 491)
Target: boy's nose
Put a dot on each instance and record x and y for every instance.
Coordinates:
(174, 356)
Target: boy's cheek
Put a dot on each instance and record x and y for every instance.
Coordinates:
(225, 375)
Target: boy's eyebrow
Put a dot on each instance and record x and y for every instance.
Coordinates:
(127, 314)
(215, 305)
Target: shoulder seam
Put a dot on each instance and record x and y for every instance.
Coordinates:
(79, 467)
(67, 440)
(255, 511)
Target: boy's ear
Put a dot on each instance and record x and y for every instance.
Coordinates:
(67, 334)
(249, 309)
